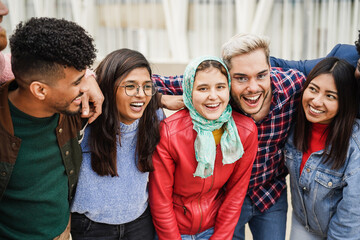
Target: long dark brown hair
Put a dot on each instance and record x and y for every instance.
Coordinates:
(103, 136)
(340, 128)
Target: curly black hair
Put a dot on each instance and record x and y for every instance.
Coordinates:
(357, 44)
(41, 45)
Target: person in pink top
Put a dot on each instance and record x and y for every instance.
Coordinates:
(5, 64)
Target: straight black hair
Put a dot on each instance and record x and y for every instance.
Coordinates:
(340, 128)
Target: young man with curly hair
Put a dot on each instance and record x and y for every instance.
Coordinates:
(40, 127)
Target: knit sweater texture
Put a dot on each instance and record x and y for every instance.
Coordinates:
(113, 200)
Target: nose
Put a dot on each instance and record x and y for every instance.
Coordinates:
(318, 100)
(252, 85)
(3, 9)
(140, 91)
(213, 94)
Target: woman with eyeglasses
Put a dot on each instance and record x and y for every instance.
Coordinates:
(111, 200)
(203, 161)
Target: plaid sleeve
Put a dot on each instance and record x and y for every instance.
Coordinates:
(290, 81)
(171, 85)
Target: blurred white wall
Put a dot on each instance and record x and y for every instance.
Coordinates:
(174, 31)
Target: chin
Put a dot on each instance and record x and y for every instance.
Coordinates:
(211, 116)
(71, 112)
(250, 111)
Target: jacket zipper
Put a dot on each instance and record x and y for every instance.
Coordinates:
(185, 209)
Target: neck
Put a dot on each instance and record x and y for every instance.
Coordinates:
(27, 103)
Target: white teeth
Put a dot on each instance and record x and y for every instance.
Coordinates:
(213, 105)
(253, 98)
(137, 104)
(315, 110)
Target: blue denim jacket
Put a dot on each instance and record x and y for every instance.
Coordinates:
(324, 200)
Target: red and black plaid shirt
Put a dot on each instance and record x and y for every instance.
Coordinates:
(268, 174)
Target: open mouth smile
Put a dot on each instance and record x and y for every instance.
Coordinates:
(137, 104)
(252, 99)
(213, 105)
(314, 110)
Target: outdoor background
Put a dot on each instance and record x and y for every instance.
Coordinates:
(171, 32)
(174, 31)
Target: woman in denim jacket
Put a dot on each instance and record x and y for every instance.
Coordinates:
(323, 155)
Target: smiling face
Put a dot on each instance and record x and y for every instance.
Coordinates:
(251, 88)
(210, 95)
(131, 108)
(320, 99)
(64, 95)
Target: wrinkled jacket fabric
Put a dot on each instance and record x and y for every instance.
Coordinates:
(324, 200)
(67, 133)
(183, 204)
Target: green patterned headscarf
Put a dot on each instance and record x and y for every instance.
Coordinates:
(205, 147)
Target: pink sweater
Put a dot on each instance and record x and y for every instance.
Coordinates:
(5, 68)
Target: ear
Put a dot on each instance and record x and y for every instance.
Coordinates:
(39, 90)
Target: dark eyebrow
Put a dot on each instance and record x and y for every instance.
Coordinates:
(311, 83)
(135, 81)
(244, 75)
(332, 92)
(263, 71)
(240, 74)
(328, 91)
(202, 85)
(79, 79)
(129, 81)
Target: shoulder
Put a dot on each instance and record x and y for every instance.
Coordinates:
(341, 50)
(73, 122)
(178, 121)
(160, 114)
(346, 52)
(355, 136)
(286, 76)
(290, 137)
(288, 81)
(353, 153)
(244, 123)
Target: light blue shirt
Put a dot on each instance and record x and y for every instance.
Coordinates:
(113, 200)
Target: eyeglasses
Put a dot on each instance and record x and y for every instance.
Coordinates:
(132, 89)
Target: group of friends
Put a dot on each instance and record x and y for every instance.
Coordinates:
(91, 155)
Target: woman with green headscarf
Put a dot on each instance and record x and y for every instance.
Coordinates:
(204, 159)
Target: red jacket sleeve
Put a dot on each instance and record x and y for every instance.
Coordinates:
(161, 189)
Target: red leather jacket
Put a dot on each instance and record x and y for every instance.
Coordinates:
(183, 204)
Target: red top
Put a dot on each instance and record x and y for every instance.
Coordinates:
(183, 204)
(316, 142)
